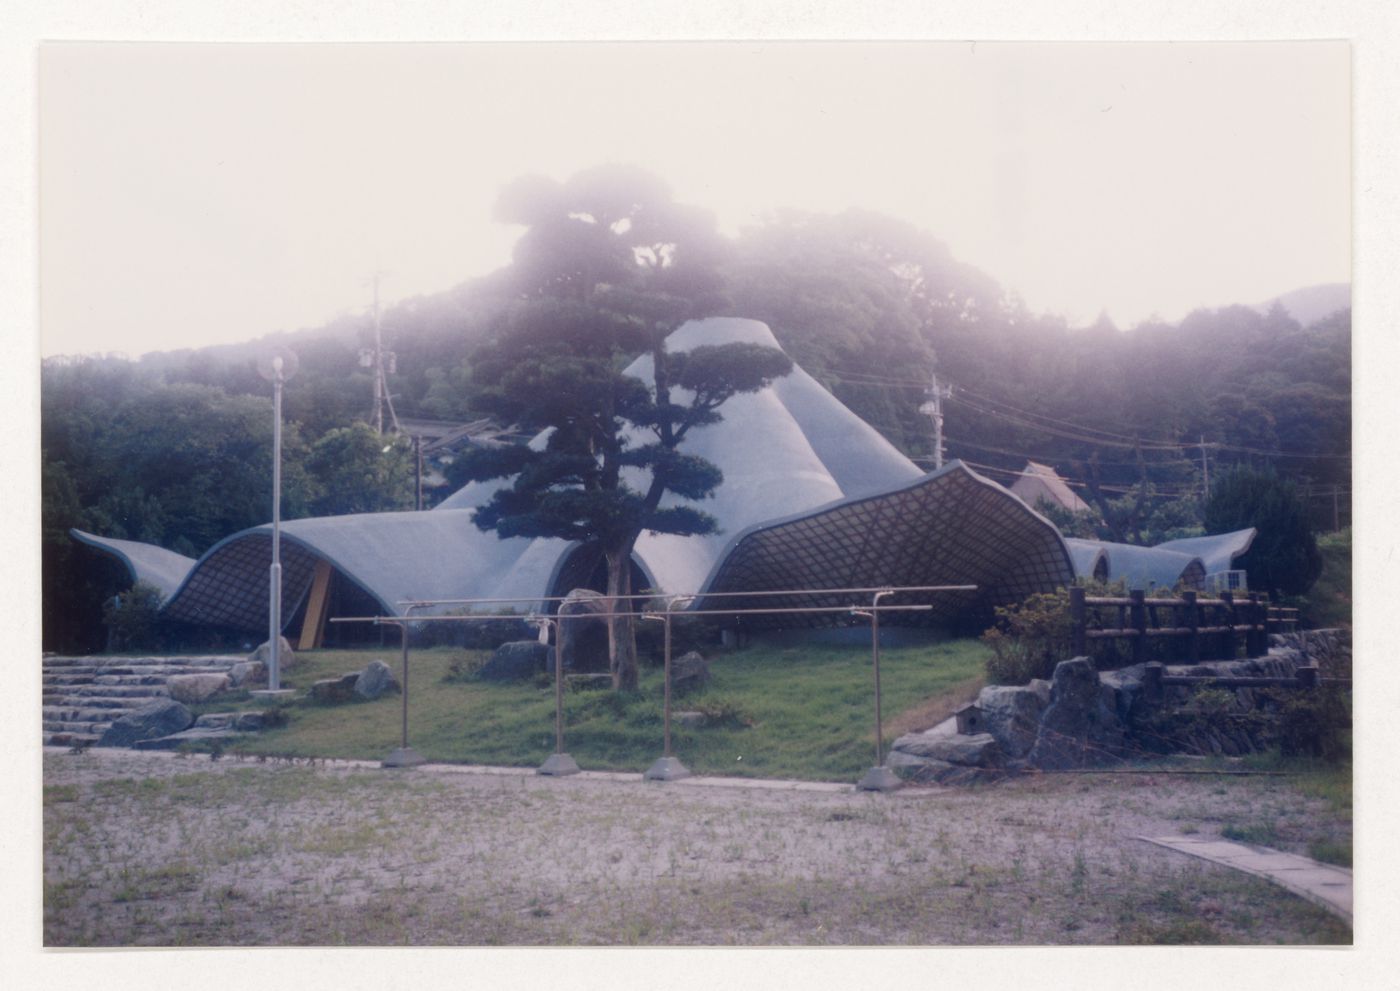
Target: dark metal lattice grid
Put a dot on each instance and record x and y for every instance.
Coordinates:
(231, 586)
(951, 528)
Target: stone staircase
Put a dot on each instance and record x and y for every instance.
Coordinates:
(82, 696)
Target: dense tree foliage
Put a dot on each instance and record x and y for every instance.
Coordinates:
(608, 267)
(174, 448)
(1284, 555)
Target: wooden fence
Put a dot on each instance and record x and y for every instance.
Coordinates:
(1155, 681)
(1218, 625)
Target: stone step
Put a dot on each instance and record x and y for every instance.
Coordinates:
(68, 679)
(130, 679)
(66, 739)
(110, 691)
(97, 660)
(59, 726)
(102, 701)
(69, 714)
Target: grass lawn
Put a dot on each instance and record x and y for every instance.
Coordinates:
(783, 712)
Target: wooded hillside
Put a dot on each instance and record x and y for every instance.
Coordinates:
(174, 448)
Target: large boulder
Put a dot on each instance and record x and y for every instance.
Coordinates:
(286, 657)
(1012, 715)
(161, 718)
(583, 631)
(516, 661)
(932, 771)
(1077, 729)
(980, 750)
(375, 680)
(193, 689)
(689, 672)
(333, 691)
(247, 673)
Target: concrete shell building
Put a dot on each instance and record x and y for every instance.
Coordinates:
(813, 497)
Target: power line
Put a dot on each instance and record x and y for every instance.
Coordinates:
(1107, 438)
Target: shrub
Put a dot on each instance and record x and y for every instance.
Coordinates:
(1029, 638)
(486, 634)
(131, 618)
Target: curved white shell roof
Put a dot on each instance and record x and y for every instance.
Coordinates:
(812, 496)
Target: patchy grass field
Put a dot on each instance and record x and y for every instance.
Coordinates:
(803, 712)
(157, 849)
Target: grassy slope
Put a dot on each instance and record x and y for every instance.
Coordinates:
(794, 712)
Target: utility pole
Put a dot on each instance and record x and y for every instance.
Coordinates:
(418, 472)
(933, 407)
(379, 360)
(1205, 469)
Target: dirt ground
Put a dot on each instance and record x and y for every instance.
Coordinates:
(157, 849)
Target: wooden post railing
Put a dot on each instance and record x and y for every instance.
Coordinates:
(1139, 619)
(1193, 623)
(1077, 618)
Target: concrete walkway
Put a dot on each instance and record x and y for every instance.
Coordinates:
(1322, 884)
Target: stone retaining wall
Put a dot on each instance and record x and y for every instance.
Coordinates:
(1083, 717)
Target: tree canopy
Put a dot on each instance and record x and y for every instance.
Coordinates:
(1284, 555)
(608, 267)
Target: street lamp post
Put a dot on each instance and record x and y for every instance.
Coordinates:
(277, 367)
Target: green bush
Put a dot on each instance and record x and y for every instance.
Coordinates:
(132, 618)
(485, 634)
(1029, 638)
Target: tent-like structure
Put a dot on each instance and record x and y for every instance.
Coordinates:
(1185, 562)
(813, 497)
(1039, 483)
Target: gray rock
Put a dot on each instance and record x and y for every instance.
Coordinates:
(193, 735)
(583, 631)
(161, 718)
(691, 720)
(248, 722)
(1012, 715)
(1077, 729)
(375, 680)
(247, 673)
(333, 691)
(193, 689)
(930, 770)
(216, 720)
(981, 750)
(1121, 689)
(690, 672)
(286, 657)
(516, 661)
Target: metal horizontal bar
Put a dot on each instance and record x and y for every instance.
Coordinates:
(1225, 682)
(401, 620)
(701, 595)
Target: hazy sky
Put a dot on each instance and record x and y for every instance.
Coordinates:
(204, 194)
